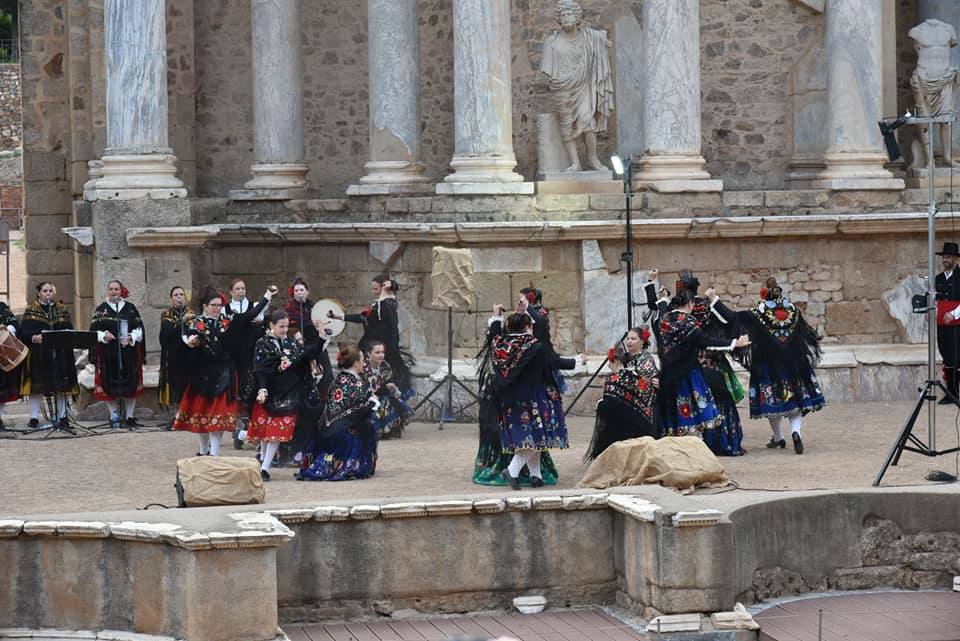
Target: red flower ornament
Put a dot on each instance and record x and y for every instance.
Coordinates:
(201, 326)
(367, 311)
(780, 314)
(685, 411)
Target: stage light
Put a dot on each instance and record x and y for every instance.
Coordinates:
(617, 165)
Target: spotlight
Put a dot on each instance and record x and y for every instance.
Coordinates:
(889, 140)
(617, 165)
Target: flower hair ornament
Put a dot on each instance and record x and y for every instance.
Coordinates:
(124, 292)
(290, 291)
(645, 337)
(764, 293)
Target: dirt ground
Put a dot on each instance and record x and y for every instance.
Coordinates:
(846, 445)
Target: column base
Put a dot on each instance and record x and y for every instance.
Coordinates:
(485, 188)
(674, 174)
(482, 169)
(857, 172)
(267, 194)
(274, 181)
(130, 176)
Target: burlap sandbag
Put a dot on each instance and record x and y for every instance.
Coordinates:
(451, 278)
(219, 480)
(681, 462)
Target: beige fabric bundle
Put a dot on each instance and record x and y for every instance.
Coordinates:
(681, 462)
(218, 480)
(452, 278)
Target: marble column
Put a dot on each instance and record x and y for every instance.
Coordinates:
(483, 159)
(855, 157)
(137, 160)
(394, 65)
(672, 160)
(279, 170)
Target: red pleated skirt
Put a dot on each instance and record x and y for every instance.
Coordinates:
(201, 415)
(266, 427)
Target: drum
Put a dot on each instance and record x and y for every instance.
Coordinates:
(321, 311)
(12, 351)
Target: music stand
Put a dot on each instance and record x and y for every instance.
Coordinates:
(55, 340)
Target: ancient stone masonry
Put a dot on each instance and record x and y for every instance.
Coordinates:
(890, 558)
(10, 123)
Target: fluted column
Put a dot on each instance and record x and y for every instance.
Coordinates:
(483, 159)
(672, 160)
(279, 170)
(855, 155)
(394, 65)
(137, 160)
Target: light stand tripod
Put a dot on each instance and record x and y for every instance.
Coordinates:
(446, 406)
(626, 257)
(928, 391)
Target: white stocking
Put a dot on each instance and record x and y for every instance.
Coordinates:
(775, 426)
(35, 401)
(269, 451)
(795, 423)
(215, 443)
(516, 463)
(61, 405)
(533, 463)
(129, 404)
(204, 444)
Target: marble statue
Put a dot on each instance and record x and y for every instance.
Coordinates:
(934, 80)
(581, 82)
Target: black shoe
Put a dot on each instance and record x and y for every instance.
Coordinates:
(797, 443)
(773, 444)
(34, 423)
(264, 475)
(536, 481)
(946, 400)
(202, 453)
(513, 481)
(132, 423)
(237, 443)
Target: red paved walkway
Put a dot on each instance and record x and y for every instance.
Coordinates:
(572, 625)
(893, 616)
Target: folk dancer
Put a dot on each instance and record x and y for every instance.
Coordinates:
(247, 338)
(283, 378)
(491, 460)
(530, 407)
(391, 417)
(686, 400)
(209, 403)
(174, 353)
(947, 284)
(119, 355)
(49, 371)
(9, 381)
(628, 408)
(781, 359)
(347, 447)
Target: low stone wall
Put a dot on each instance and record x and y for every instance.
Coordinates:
(11, 122)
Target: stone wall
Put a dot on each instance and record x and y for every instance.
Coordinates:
(11, 130)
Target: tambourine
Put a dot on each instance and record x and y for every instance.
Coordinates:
(320, 312)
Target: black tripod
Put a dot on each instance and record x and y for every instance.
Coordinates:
(446, 407)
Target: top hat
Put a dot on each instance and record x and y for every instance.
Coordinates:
(950, 249)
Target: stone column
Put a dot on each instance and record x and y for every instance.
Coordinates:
(483, 158)
(394, 64)
(672, 161)
(279, 170)
(855, 155)
(137, 161)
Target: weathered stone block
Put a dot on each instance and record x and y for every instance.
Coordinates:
(866, 317)
(609, 202)
(355, 258)
(798, 198)
(743, 199)
(43, 232)
(562, 257)
(507, 259)
(44, 165)
(249, 259)
(112, 218)
(83, 274)
(47, 197)
(167, 271)
(302, 259)
(49, 261)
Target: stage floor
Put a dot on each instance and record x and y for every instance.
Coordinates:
(845, 447)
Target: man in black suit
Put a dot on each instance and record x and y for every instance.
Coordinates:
(948, 336)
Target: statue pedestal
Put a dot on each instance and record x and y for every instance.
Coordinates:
(917, 178)
(578, 182)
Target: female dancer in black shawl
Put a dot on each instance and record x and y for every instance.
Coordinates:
(687, 402)
(381, 323)
(49, 371)
(119, 354)
(782, 379)
(282, 376)
(628, 407)
(247, 338)
(390, 419)
(209, 403)
(174, 353)
(530, 408)
(347, 447)
(9, 381)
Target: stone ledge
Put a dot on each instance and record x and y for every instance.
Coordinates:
(51, 634)
(532, 231)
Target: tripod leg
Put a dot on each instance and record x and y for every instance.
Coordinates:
(427, 397)
(447, 405)
(466, 389)
(894, 456)
(585, 387)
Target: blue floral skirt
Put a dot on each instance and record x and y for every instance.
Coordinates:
(725, 439)
(531, 418)
(343, 456)
(390, 419)
(776, 395)
(693, 410)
